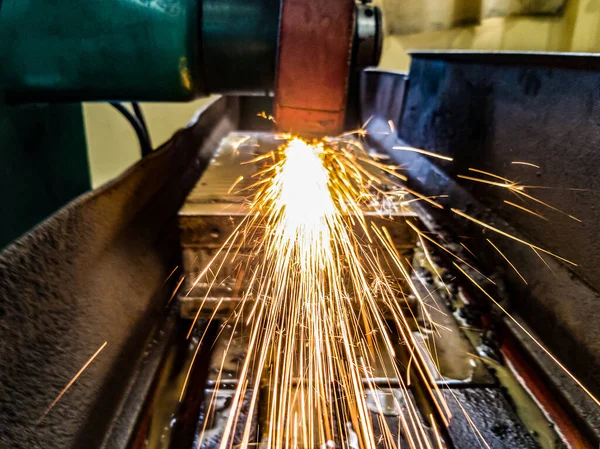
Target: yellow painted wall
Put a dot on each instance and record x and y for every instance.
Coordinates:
(113, 145)
(577, 30)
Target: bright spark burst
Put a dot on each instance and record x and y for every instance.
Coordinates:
(321, 307)
(314, 303)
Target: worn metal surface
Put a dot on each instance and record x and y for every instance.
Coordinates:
(315, 44)
(95, 272)
(489, 412)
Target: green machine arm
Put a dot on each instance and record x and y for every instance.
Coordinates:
(158, 50)
(68, 51)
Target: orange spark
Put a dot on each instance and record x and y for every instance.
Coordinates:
(524, 209)
(71, 382)
(424, 152)
(529, 164)
(512, 237)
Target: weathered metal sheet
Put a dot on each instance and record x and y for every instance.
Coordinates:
(558, 306)
(95, 272)
(485, 414)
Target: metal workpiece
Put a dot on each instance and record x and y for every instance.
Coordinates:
(213, 210)
(160, 50)
(219, 203)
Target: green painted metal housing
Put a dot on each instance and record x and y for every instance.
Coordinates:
(145, 50)
(43, 164)
(239, 45)
(60, 51)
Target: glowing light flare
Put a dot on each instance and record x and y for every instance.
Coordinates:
(315, 298)
(304, 204)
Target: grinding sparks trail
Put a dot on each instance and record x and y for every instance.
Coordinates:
(72, 381)
(324, 303)
(314, 305)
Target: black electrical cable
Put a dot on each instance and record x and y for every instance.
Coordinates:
(137, 109)
(145, 146)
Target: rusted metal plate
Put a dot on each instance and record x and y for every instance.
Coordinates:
(315, 44)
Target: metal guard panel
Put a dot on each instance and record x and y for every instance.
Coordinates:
(94, 272)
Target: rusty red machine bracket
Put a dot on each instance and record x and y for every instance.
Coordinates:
(315, 46)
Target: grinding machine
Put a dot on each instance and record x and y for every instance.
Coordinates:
(117, 264)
